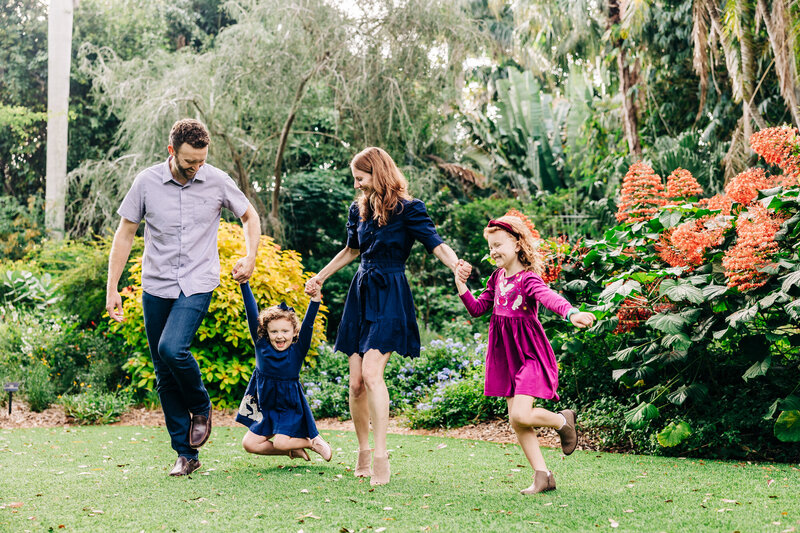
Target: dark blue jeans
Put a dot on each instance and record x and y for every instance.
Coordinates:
(171, 325)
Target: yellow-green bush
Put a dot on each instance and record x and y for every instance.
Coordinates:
(223, 346)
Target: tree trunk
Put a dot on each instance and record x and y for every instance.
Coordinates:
(780, 39)
(274, 215)
(628, 78)
(59, 57)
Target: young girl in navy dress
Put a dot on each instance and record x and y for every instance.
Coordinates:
(378, 316)
(520, 364)
(274, 407)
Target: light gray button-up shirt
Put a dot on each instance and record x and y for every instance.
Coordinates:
(181, 224)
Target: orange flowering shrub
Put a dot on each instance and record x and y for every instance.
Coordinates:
(720, 202)
(631, 313)
(642, 194)
(744, 187)
(754, 248)
(681, 184)
(779, 146)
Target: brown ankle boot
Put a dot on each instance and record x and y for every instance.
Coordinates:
(542, 482)
(568, 433)
(363, 465)
(380, 471)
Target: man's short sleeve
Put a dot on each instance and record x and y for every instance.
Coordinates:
(132, 206)
(232, 198)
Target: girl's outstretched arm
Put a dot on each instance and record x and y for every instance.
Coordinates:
(251, 308)
(537, 289)
(307, 329)
(484, 302)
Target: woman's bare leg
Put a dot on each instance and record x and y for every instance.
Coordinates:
(359, 407)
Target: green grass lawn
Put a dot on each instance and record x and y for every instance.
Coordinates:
(115, 479)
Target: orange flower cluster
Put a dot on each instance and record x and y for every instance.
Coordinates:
(554, 254)
(631, 313)
(642, 194)
(668, 252)
(754, 248)
(526, 220)
(779, 146)
(744, 187)
(681, 184)
(720, 202)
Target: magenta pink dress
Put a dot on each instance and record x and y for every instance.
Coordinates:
(519, 358)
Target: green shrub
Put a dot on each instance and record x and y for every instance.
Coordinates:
(456, 402)
(223, 346)
(24, 289)
(95, 407)
(21, 227)
(37, 387)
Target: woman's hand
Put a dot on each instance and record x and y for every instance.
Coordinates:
(582, 319)
(313, 286)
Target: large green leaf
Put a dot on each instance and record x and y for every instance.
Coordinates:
(790, 403)
(619, 290)
(674, 434)
(694, 391)
(773, 298)
(787, 427)
(679, 290)
(758, 369)
(712, 291)
(790, 280)
(673, 322)
(626, 355)
(640, 415)
(742, 316)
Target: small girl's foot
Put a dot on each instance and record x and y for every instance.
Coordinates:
(542, 482)
(362, 466)
(299, 452)
(380, 471)
(567, 432)
(319, 445)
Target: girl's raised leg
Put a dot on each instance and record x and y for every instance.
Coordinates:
(257, 444)
(318, 444)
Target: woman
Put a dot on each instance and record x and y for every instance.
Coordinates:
(378, 316)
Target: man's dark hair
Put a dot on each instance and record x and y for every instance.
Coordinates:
(190, 131)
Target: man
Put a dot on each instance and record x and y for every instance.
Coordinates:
(180, 202)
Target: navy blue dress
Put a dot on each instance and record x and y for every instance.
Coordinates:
(274, 402)
(379, 309)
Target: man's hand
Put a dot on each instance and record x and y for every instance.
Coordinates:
(243, 269)
(582, 319)
(114, 306)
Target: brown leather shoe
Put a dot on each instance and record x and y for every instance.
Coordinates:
(568, 433)
(542, 482)
(184, 466)
(199, 430)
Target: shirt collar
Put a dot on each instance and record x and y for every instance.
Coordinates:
(166, 173)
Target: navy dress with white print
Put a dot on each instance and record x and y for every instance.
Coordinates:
(274, 402)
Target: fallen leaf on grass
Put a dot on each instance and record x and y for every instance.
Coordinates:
(441, 446)
(380, 530)
(770, 482)
(614, 523)
(628, 511)
(14, 505)
(304, 491)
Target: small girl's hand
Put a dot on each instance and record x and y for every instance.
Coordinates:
(582, 319)
(312, 285)
(463, 271)
(315, 292)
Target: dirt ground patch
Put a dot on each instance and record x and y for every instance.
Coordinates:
(494, 431)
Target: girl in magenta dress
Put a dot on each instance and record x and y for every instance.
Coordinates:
(520, 364)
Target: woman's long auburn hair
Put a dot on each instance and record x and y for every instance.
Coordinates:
(528, 253)
(389, 185)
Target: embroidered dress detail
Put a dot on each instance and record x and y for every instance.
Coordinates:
(519, 358)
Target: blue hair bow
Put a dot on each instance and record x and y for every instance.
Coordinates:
(283, 307)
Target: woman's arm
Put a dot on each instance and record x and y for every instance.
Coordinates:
(340, 260)
(447, 256)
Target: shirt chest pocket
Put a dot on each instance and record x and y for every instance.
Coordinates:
(206, 210)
